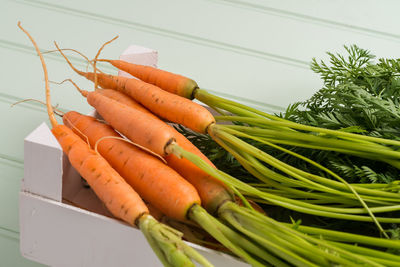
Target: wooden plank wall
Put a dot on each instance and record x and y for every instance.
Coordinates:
(254, 51)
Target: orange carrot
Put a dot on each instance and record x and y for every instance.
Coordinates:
(171, 82)
(155, 134)
(150, 177)
(124, 99)
(120, 199)
(169, 106)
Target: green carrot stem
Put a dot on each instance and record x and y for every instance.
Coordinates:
(273, 243)
(307, 200)
(243, 146)
(264, 174)
(199, 215)
(220, 132)
(296, 172)
(301, 137)
(366, 155)
(384, 262)
(212, 100)
(348, 237)
(241, 197)
(331, 145)
(297, 126)
(292, 248)
(144, 227)
(256, 218)
(176, 256)
(369, 211)
(368, 252)
(381, 186)
(203, 95)
(250, 246)
(277, 200)
(171, 235)
(293, 193)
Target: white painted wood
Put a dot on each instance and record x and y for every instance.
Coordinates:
(42, 164)
(58, 234)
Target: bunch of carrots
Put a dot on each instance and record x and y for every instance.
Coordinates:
(169, 172)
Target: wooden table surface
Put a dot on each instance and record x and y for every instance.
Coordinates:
(254, 51)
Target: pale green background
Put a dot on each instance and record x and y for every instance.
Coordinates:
(255, 51)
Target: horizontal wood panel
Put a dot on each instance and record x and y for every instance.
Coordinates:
(269, 64)
(10, 181)
(373, 17)
(9, 251)
(20, 122)
(295, 39)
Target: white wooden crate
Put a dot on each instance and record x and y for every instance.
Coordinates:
(56, 233)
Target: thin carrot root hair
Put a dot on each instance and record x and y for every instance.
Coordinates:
(50, 110)
(132, 143)
(79, 131)
(89, 62)
(95, 60)
(72, 66)
(56, 110)
(83, 92)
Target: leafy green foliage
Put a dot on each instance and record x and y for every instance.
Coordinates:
(359, 95)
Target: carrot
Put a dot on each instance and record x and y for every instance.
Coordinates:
(156, 135)
(171, 82)
(124, 99)
(146, 174)
(172, 107)
(212, 192)
(120, 198)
